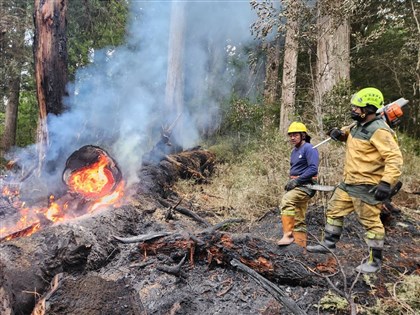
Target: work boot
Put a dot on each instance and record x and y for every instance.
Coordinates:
(288, 222)
(300, 238)
(374, 262)
(331, 237)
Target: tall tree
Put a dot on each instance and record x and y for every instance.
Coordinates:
(333, 50)
(50, 52)
(174, 93)
(290, 64)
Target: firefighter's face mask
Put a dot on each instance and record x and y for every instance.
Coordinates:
(357, 113)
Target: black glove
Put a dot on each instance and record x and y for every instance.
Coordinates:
(383, 190)
(335, 134)
(293, 183)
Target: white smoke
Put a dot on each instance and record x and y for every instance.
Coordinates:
(117, 102)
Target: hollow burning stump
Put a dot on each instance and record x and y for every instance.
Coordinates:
(91, 172)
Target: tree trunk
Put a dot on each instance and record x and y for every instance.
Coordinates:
(50, 54)
(333, 53)
(271, 87)
(174, 94)
(291, 49)
(9, 136)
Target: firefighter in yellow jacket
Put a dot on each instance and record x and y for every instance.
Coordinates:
(373, 164)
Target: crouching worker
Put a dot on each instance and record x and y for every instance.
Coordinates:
(304, 161)
(373, 163)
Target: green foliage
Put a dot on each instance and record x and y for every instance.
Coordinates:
(93, 25)
(332, 302)
(27, 118)
(241, 115)
(409, 144)
(336, 107)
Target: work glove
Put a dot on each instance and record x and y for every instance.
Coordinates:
(291, 184)
(383, 190)
(335, 134)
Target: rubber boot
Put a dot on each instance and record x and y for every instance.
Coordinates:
(330, 239)
(288, 222)
(300, 238)
(374, 262)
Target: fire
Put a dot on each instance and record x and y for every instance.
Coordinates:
(92, 181)
(95, 188)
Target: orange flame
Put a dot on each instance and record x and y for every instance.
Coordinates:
(94, 182)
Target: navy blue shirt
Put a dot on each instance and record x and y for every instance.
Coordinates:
(304, 162)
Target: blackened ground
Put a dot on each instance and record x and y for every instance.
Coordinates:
(132, 284)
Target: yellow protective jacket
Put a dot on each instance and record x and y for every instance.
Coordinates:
(372, 154)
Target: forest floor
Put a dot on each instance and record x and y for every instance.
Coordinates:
(131, 284)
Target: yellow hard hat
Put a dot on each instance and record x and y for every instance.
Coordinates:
(296, 127)
(368, 96)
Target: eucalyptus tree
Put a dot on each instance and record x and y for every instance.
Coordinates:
(290, 62)
(174, 92)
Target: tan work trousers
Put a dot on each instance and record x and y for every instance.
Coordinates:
(342, 204)
(295, 203)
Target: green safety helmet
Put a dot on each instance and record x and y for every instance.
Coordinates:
(368, 96)
(296, 127)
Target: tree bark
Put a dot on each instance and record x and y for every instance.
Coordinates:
(291, 49)
(174, 93)
(10, 125)
(272, 84)
(333, 52)
(50, 54)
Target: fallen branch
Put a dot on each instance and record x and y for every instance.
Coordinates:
(173, 270)
(219, 225)
(141, 238)
(185, 212)
(270, 287)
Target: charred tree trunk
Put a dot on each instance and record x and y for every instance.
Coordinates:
(266, 258)
(50, 54)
